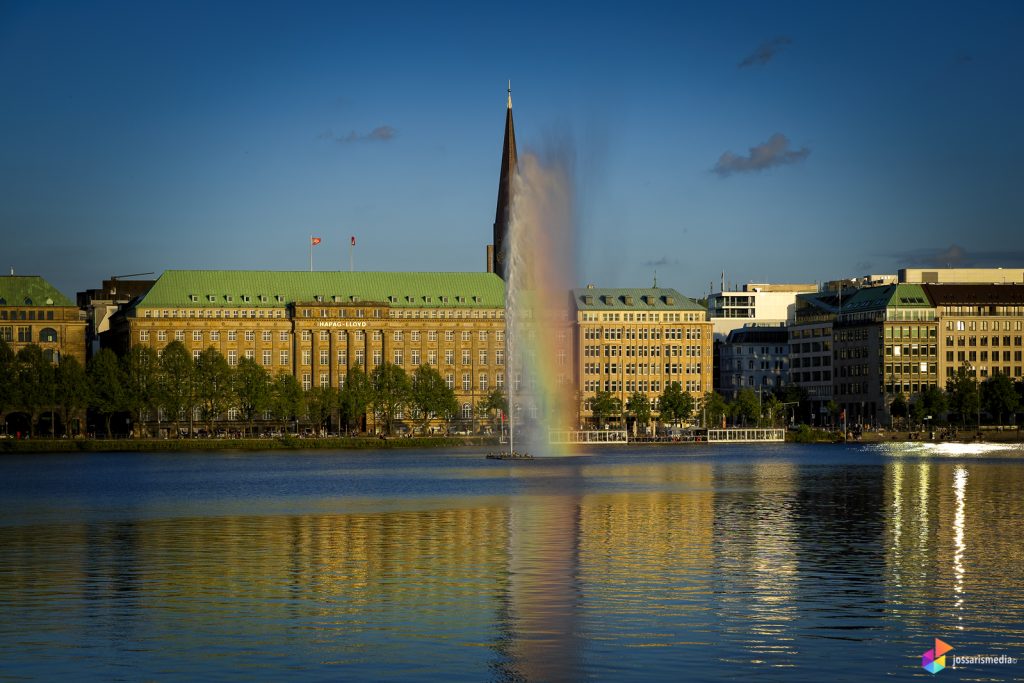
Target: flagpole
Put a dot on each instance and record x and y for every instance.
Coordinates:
(351, 248)
(311, 253)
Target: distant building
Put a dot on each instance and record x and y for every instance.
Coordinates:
(980, 328)
(639, 340)
(810, 350)
(101, 304)
(754, 357)
(32, 311)
(980, 276)
(886, 343)
(318, 326)
(760, 304)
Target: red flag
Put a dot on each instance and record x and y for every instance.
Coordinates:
(353, 240)
(314, 240)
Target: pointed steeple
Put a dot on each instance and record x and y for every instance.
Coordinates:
(507, 174)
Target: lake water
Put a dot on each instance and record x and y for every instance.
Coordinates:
(780, 563)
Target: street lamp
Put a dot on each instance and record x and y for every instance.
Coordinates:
(977, 384)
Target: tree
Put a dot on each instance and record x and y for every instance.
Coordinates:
(142, 383)
(288, 399)
(933, 401)
(714, 408)
(674, 404)
(747, 405)
(355, 397)
(999, 396)
(833, 411)
(72, 390)
(320, 404)
(33, 383)
(898, 409)
(108, 395)
(430, 395)
(7, 383)
(604, 405)
(391, 389)
(252, 390)
(176, 387)
(213, 385)
(640, 406)
(772, 408)
(963, 394)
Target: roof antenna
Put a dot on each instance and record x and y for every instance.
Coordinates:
(655, 278)
(12, 270)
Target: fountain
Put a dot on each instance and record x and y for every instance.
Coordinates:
(539, 275)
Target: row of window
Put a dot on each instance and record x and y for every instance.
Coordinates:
(642, 333)
(23, 334)
(26, 315)
(972, 340)
(324, 335)
(962, 356)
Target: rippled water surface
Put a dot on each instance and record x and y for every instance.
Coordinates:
(784, 563)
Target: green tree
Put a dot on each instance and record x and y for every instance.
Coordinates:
(288, 398)
(773, 410)
(999, 396)
(640, 406)
(962, 391)
(604, 405)
(747, 406)
(252, 390)
(391, 389)
(7, 379)
(176, 387)
(430, 395)
(320, 405)
(674, 404)
(714, 408)
(898, 409)
(34, 385)
(107, 381)
(355, 398)
(833, 411)
(213, 385)
(72, 390)
(142, 383)
(933, 401)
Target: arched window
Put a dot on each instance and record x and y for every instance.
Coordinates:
(467, 411)
(48, 334)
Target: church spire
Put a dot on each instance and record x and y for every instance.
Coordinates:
(496, 260)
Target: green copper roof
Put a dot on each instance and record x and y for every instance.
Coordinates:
(887, 296)
(276, 289)
(624, 299)
(30, 290)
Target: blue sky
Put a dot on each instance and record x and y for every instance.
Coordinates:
(797, 142)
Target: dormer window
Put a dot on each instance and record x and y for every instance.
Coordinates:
(228, 297)
(28, 301)
(280, 298)
(193, 297)
(245, 297)
(444, 299)
(428, 299)
(628, 300)
(670, 300)
(263, 298)
(588, 299)
(319, 297)
(211, 298)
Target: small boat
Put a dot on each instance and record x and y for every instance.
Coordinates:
(509, 455)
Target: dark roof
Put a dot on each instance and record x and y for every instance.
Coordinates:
(979, 295)
(759, 335)
(633, 299)
(509, 163)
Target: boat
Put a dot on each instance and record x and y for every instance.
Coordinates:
(509, 455)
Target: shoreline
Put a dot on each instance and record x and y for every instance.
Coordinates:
(148, 445)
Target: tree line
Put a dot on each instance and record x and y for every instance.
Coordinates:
(171, 388)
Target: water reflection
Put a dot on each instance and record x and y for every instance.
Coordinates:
(612, 568)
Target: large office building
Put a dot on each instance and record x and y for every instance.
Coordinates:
(639, 340)
(32, 311)
(754, 304)
(980, 329)
(318, 326)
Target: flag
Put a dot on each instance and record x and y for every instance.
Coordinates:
(353, 240)
(314, 241)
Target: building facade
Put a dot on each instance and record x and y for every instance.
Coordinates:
(811, 351)
(32, 311)
(639, 340)
(318, 326)
(754, 357)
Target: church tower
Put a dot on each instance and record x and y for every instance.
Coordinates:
(496, 250)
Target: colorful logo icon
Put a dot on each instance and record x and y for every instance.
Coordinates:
(934, 661)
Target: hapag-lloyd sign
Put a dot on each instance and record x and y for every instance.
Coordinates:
(341, 323)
